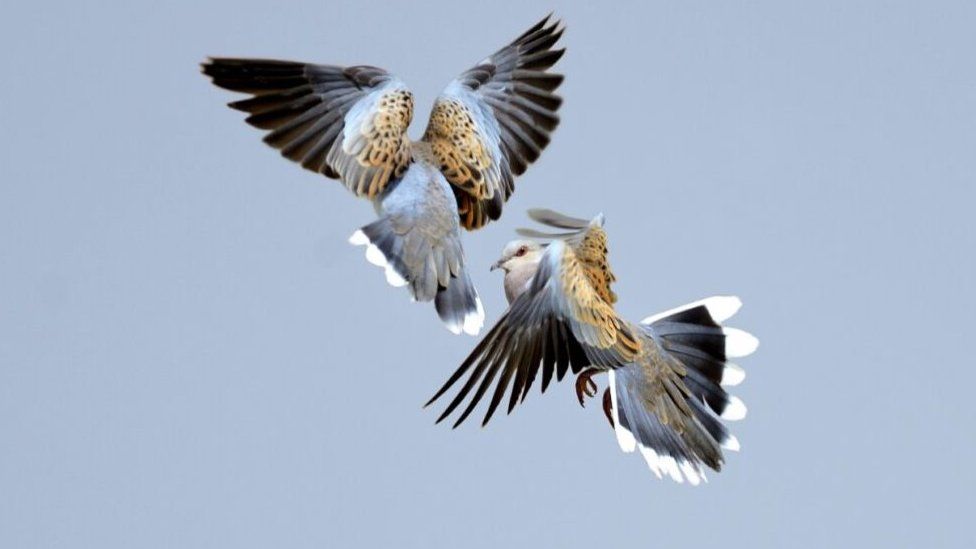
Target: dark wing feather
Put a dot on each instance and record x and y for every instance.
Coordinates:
(495, 119)
(347, 123)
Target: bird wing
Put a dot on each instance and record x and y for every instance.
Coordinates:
(347, 123)
(588, 240)
(491, 122)
(560, 322)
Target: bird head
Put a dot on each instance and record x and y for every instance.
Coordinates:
(517, 253)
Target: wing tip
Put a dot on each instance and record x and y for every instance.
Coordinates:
(552, 218)
(552, 23)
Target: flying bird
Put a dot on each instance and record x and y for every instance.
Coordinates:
(665, 392)
(350, 123)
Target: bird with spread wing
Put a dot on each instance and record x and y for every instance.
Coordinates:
(665, 392)
(350, 124)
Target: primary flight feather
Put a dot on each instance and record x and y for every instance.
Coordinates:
(350, 123)
(666, 373)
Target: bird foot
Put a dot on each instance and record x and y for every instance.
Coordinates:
(585, 386)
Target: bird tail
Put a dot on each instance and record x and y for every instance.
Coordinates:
(678, 431)
(459, 306)
(429, 271)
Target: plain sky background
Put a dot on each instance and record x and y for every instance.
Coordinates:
(191, 355)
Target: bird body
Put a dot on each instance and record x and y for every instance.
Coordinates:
(418, 232)
(350, 123)
(665, 393)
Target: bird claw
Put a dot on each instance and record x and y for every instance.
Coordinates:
(585, 386)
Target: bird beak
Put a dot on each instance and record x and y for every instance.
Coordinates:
(496, 265)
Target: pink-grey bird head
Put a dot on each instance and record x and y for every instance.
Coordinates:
(520, 261)
(518, 253)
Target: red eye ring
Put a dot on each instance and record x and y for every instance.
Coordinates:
(520, 252)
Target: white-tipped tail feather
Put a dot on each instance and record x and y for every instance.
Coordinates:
(625, 438)
(358, 238)
(739, 343)
(653, 461)
(720, 308)
(670, 466)
(734, 410)
(677, 469)
(474, 321)
(731, 444)
(376, 257)
(460, 307)
(693, 473)
(732, 375)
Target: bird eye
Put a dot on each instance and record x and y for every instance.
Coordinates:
(520, 252)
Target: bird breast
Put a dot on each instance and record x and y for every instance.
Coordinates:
(517, 279)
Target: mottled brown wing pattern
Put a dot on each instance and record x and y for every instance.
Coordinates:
(463, 156)
(464, 159)
(494, 120)
(588, 240)
(588, 306)
(347, 123)
(592, 251)
(381, 148)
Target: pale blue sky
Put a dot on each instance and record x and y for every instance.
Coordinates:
(191, 355)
